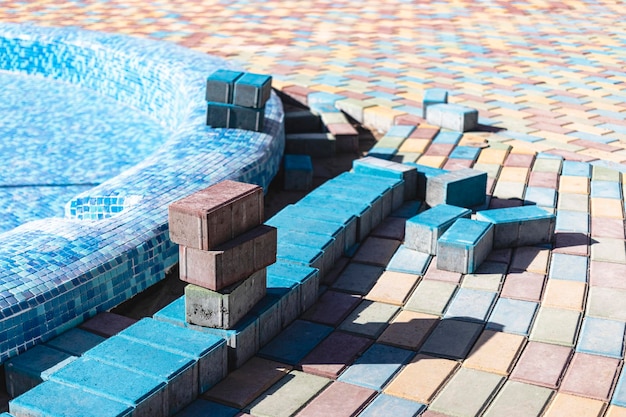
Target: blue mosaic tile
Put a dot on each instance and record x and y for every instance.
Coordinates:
(601, 337)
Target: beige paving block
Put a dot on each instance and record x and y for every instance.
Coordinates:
(573, 202)
(409, 329)
(608, 250)
(422, 378)
(531, 259)
(573, 184)
(513, 174)
(492, 170)
(393, 287)
(567, 405)
(615, 411)
(518, 399)
(564, 294)
(432, 161)
(380, 117)
(495, 352)
(431, 297)
(607, 207)
(492, 156)
(414, 145)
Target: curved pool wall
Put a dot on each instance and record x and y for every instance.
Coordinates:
(114, 241)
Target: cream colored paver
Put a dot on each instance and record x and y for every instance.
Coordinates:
(564, 294)
(393, 287)
(495, 352)
(567, 405)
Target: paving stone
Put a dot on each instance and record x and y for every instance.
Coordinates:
(512, 316)
(608, 250)
(508, 192)
(200, 408)
(75, 341)
(566, 405)
(469, 304)
(571, 243)
(575, 185)
(607, 303)
(245, 384)
(385, 405)
(389, 169)
(332, 308)
(519, 399)
(376, 366)
(487, 277)
(607, 275)
(462, 188)
(543, 179)
(107, 324)
(455, 399)
(288, 395)
(393, 287)
(295, 342)
(358, 278)
(495, 352)
(434, 273)
(431, 297)
(452, 339)
(564, 294)
(542, 364)
(590, 376)
(424, 229)
(530, 258)
(408, 329)
(465, 245)
(572, 221)
(409, 261)
(601, 337)
(390, 228)
(605, 227)
(556, 325)
(370, 318)
(619, 396)
(606, 189)
(568, 267)
(523, 285)
(339, 400)
(615, 411)
(607, 208)
(573, 202)
(334, 354)
(547, 165)
(376, 251)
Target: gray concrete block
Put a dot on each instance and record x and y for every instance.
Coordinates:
(464, 246)
(520, 226)
(321, 145)
(463, 188)
(220, 86)
(252, 90)
(453, 117)
(424, 230)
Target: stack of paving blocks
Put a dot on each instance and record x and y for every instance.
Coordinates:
(224, 252)
(237, 99)
(437, 111)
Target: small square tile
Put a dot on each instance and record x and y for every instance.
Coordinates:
(541, 364)
(606, 189)
(523, 286)
(332, 307)
(409, 261)
(452, 339)
(422, 378)
(605, 227)
(495, 352)
(295, 342)
(572, 221)
(555, 325)
(568, 267)
(531, 259)
(455, 399)
(571, 243)
(564, 294)
(607, 208)
(469, 304)
(202, 407)
(358, 278)
(376, 366)
(393, 287)
(409, 329)
(607, 275)
(517, 399)
(487, 277)
(376, 251)
(605, 249)
(334, 354)
(512, 316)
(574, 185)
(607, 303)
(619, 396)
(573, 202)
(601, 337)
(566, 405)
(433, 273)
(338, 400)
(590, 376)
(431, 297)
(543, 179)
(370, 318)
(388, 405)
(615, 411)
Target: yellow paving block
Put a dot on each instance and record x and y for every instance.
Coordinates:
(513, 174)
(583, 127)
(607, 207)
(615, 411)
(528, 148)
(414, 145)
(422, 378)
(432, 161)
(495, 352)
(573, 184)
(558, 137)
(564, 294)
(599, 154)
(567, 405)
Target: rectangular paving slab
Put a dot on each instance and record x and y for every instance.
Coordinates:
(556, 325)
(358, 278)
(408, 329)
(388, 405)
(607, 303)
(572, 405)
(332, 307)
(517, 399)
(409, 261)
(370, 318)
(393, 287)
(334, 354)
(338, 400)
(542, 364)
(452, 338)
(590, 376)
(512, 316)
(495, 352)
(601, 337)
(424, 229)
(295, 342)
(431, 297)
(470, 304)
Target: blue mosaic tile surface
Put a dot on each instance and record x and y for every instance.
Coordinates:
(56, 272)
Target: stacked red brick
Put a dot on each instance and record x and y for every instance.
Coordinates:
(224, 251)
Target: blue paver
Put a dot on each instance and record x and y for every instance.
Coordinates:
(295, 342)
(576, 169)
(606, 189)
(423, 230)
(252, 90)
(572, 221)
(470, 304)
(464, 188)
(568, 267)
(601, 337)
(433, 96)
(376, 366)
(464, 246)
(541, 196)
(512, 316)
(388, 405)
(75, 341)
(409, 261)
(204, 408)
(447, 138)
(220, 84)
(298, 172)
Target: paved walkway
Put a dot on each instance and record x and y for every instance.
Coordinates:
(538, 329)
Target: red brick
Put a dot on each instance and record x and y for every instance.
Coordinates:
(216, 214)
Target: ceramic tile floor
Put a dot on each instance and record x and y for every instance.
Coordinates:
(549, 82)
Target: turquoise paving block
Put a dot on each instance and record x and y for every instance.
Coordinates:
(284, 220)
(464, 246)
(242, 340)
(541, 196)
(424, 230)
(519, 226)
(209, 351)
(252, 90)
(318, 97)
(568, 267)
(298, 172)
(44, 400)
(376, 366)
(470, 304)
(601, 337)
(390, 188)
(218, 115)
(423, 174)
(433, 96)
(448, 138)
(512, 316)
(389, 169)
(204, 408)
(295, 342)
(173, 369)
(269, 314)
(409, 261)
(572, 221)
(388, 405)
(32, 367)
(288, 292)
(619, 395)
(465, 152)
(219, 86)
(576, 169)
(75, 341)
(464, 188)
(383, 153)
(606, 189)
(304, 255)
(307, 278)
(408, 209)
(144, 393)
(246, 118)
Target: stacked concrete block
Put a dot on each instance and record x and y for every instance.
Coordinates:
(519, 226)
(237, 99)
(433, 96)
(452, 116)
(464, 246)
(224, 250)
(298, 171)
(424, 230)
(315, 144)
(384, 168)
(463, 188)
(423, 174)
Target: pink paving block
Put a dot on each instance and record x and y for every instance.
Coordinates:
(571, 243)
(519, 160)
(408, 119)
(338, 400)
(607, 227)
(107, 324)
(542, 364)
(298, 93)
(607, 275)
(523, 285)
(456, 164)
(543, 179)
(424, 133)
(439, 149)
(441, 275)
(215, 215)
(590, 376)
(334, 354)
(229, 262)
